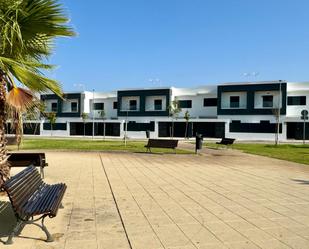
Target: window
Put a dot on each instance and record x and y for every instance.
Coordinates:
(73, 106)
(210, 102)
(98, 106)
(234, 101)
(158, 104)
(297, 100)
(115, 105)
(236, 121)
(268, 101)
(54, 107)
(264, 122)
(133, 105)
(185, 103)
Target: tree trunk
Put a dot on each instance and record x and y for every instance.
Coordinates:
(4, 165)
(186, 131)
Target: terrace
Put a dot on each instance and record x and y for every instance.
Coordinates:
(136, 200)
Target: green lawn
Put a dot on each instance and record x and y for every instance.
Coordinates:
(89, 145)
(289, 152)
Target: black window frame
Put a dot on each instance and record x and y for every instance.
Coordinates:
(54, 109)
(95, 108)
(75, 107)
(210, 102)
(158, 107)
(297, 100)
(115, 105)
(234, 104)
(185, 104)
(266, 103)
(131, 105)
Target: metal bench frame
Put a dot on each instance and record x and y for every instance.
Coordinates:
(161, 143)
(15, 188)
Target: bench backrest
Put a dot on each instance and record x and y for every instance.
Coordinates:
(227, 140)
(11, 140)
(26, 159)
(22, 186)
(162, 143)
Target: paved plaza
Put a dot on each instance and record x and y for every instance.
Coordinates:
(221, 199)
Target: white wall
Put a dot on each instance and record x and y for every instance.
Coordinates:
(150, 103)
(258, 99)
(225, 100)
(295, 110)
(66, 105)
(108, 108)
(48, 104)
(125, 103)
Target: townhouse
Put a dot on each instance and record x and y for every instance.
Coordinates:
(245, 111)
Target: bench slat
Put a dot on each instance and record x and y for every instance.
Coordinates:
(30, 196)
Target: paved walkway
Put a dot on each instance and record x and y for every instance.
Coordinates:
(223, 199)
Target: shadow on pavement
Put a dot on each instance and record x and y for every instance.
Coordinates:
(306, 182)
(7, 220)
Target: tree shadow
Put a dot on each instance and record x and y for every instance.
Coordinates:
(7, 220)
(305, 182)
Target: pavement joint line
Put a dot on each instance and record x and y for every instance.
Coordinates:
(158, 203)
(71, 213)
(234, 212)
(206, 209)
(139, 208)
(238, 214)
(183, 207)
(115, 201)
(94, 201)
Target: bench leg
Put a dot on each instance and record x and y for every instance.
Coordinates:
(20, 223)
(48, 235)
(14, 232)
(42, 172)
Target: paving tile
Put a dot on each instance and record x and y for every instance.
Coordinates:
(81, 244)
(176, 202)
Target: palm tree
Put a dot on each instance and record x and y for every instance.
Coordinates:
(27, 30)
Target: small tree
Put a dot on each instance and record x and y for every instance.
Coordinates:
(51, 116)
(174, 111)
(187, 118)
(102, 116)
(276, 113)
(84, 116)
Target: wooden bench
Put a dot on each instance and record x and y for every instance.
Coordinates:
(31, 197)
(226, 141)
(161, 143)
(10, 140)
(22, 159)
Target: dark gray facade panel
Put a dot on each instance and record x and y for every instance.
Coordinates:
(60, 101)
(55, 126)
(80, 129)
(263, 127)
(250, 90)
(142, 94)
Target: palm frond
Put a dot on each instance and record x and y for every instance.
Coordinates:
(30, 76)
(20, 99)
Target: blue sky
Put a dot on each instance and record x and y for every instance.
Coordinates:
(184, 43)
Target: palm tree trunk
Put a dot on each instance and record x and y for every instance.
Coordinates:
(4, 165)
